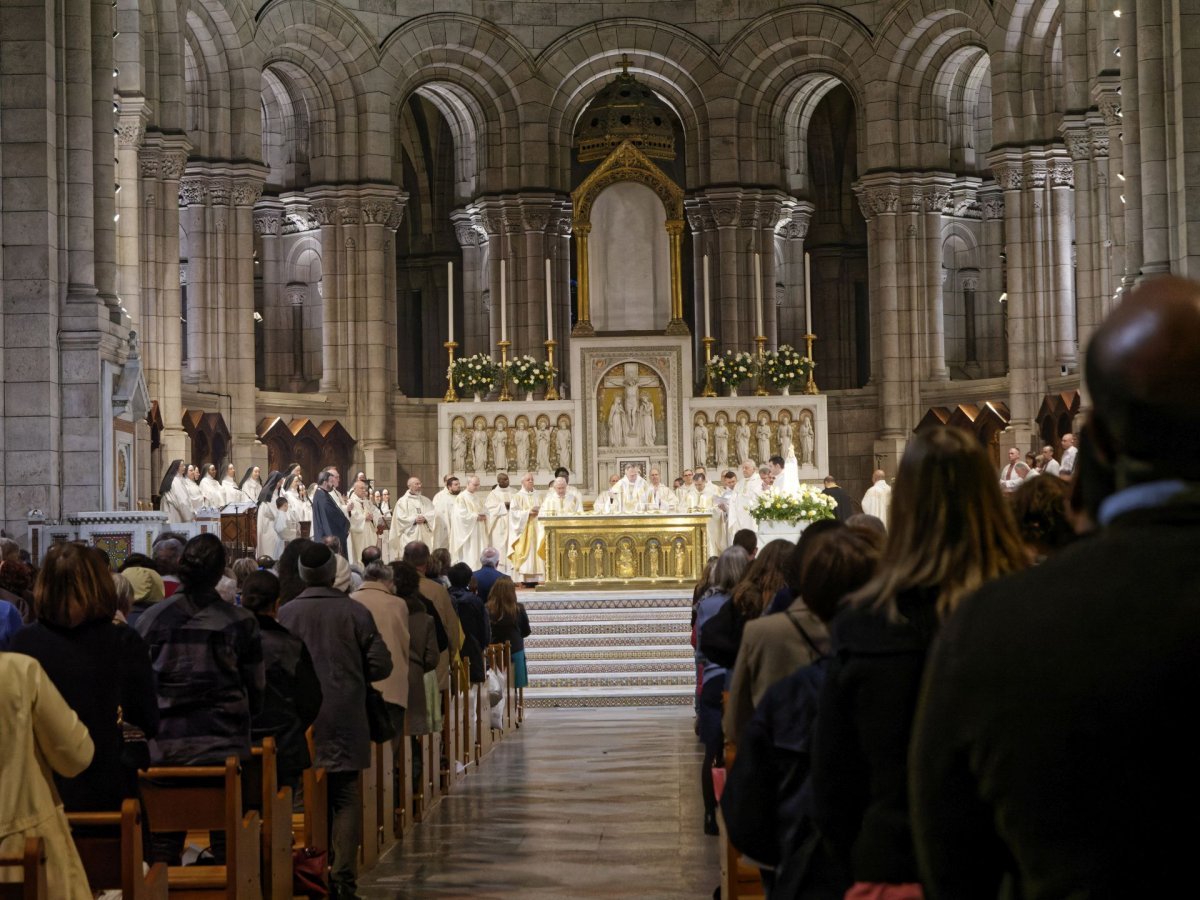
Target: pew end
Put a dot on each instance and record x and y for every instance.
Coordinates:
(31, 865)
(110, 846)
(261, 779)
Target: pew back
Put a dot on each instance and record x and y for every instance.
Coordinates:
(30, 866)
(110, 846)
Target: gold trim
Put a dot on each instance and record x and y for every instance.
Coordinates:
(628, 163)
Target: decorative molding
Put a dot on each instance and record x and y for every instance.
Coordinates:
(246, 191)
(173, 164)
(992, 206)
(268, 222)
(296, 293)
(131, 131)
(220, 190)
(1062, 174)
(1109, 104)
(150, 163)
(193, 190)
(878, 200)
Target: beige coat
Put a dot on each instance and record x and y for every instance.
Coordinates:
(391, 619)
(772, 648)
(39, 735)
(436, 593)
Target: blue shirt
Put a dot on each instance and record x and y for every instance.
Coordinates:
(1139, 496)
(10, 623)
(709, 606)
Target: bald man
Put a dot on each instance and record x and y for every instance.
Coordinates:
(877, 501)
(413, 519)
(1053, 698)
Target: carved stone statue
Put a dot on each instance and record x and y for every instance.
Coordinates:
(786, 434)
(700, 442)
(543, 445)
(458, 447)
(500, 447)
(562, 440)
(479, 447)
(763, 434)
(521, 437)
(741, 438)
(630, 381)
(616, 423)
(808, 442)
(721, 441)
(646, 409)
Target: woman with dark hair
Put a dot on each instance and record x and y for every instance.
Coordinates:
(208, 669)
(510, 623)
(951, 531)
(101, 669)
(1040, 507)
(731, 566)
(439, 566)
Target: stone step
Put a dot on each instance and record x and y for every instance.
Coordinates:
(541, 617)
(571, 651)
(612, 679)
(534, 604)
(611, 626)
(670, 695)
(539, 641)
(547, 667)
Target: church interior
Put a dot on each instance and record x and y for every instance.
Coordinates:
(267, 233)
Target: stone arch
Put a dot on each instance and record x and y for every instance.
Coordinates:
(1027, 71)
(670, 61)
(223, 97)
(477, 76)
(786, 57)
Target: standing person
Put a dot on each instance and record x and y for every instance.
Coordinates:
(565, 474)
(230, 490)
(251, 484)
(413, 519)
(728, 571)
(487, 574)
(497, 534)
(877, 501)
(951, 532)
(1067, 466)
(293, 694)
(210, 488)
(846, 506)
(40, 735)
(443, 506)
(525, 533)
(417, 555)
(510, 623)
(468, 523)
(329, 518)
(1014, 473)
(347, 653)
(1047, 463)
(362, 514)
(208, 673)
(423, 656)
(1053, 697)
(391, 618)
(173, 498)
(101, 669)
(267, 513)
(473, 615)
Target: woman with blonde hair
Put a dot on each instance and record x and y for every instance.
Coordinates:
(951, 531)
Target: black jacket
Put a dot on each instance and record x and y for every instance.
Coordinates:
(292, 700)
(860, 752)
(1050, 750)
(97, 666)
(846, 505)
(477, 629)
(513, 632)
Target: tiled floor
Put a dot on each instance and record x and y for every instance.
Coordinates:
(577, 803)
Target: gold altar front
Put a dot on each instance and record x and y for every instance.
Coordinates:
(629, 551)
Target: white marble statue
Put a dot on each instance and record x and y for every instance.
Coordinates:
(808, 442)
(500, 447)
(562, 440)
(741, 439)
(521, 437)
(700, 443)
(785, 433)
(542, 439)
(458, 447)
(763, 435)
(721, 440)
(617, 423)
(479, 447)
(646, 409)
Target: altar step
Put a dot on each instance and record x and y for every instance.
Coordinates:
(609, 648)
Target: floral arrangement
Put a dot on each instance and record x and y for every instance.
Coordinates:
(786, 367)
(527, 373)
(730, 369)
(803, 504)
(475, 374)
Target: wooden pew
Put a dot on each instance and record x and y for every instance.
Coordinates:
(261, 779)
(402, 817)
(444, 780)
(31, 866)
(313, 829)
(738, 877)
(510, 692)
(385, 767)
(422, 795)
(110, 845)
(188, 798)
(466, 712)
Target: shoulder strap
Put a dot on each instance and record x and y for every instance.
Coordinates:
(804, 634)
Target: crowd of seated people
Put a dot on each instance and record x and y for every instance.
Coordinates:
(984, 701)
(201, 658)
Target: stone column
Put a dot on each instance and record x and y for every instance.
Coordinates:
(237, 323)
(1112, 199)
(193, 197)
(104, 237)
(79, 134)
(278, 337)
(935, 199)
(790, 235)
(1129, 133)
(131, 131)
(1157, 198)
(324, 210)
(291, 318)
(1062, 263)
(470, 321)
(1089, 250)
(704, 241)
(989, 311)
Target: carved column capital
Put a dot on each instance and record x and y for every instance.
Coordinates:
(268, 222)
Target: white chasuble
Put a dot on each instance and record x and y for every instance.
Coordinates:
(468, 528)
(443, 511)
(361, 513)
(554, 505)
(630, 496)
(405, 527)
(660, 499)
(525, 538)
(497, 503)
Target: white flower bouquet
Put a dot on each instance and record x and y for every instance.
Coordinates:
(791, 506)
(786, 367)
(475, 374)
(527, 373)
(730, 369)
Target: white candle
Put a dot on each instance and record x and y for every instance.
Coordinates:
(450, 298)
(807, 294)
(707, 302)
(503, 311)
(549, 305)
(758, 317)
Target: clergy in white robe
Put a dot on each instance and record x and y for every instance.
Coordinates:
(702, 497)
(877, 501)
(361, 512)
(173, 496)
(468, 525)
(412, 520)
(525, 533)
(606, 503)
(192, 485)
(630, 492)
(561, 472)
(745, 495)
(443, 508)
(559, 501)
(210, 488)
(287, 526)
(268, 540)
(497, 505)
(659, 497)
(229, 487)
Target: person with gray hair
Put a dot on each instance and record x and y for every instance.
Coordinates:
(168, 551)
(731, 566)
(391, 618)
(348, 654)
(487, 574)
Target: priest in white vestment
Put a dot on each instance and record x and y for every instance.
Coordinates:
(561, 472)
(745, 495)
(412, 520)
(361, 512)
(229, 487)
(559, 501)
(468, 525)
(525, 534)
(210, 488)
(497, 505)
(192, 484)
(606, 503)
(443, 509)
(659, 497)
(173, 496)
(630, 492)
(703, 498)
(877, 501)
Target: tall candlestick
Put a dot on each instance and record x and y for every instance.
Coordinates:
(807, 294)
(549, 305)
(450, 298)
(503, 311)
(758, 311)
(707, 302)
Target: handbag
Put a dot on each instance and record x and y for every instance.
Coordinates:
(308, 872)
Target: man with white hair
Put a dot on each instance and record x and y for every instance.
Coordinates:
(745, 493)
(630, 492)
(560, 501)
(525, 533)
(468, 524)
(877, 501)
(659, 497)
(412, 520)
(487, 574)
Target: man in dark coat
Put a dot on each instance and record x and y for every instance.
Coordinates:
(487, 574)
(348, 654)
(846, 505)
(328, 517)
(473, 614)
(1047, 754)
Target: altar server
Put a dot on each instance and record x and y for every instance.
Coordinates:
(173, 496)
(210, 488)
(413, 519)
(525, 533)
(659, 497)
(361, 513)
(497, 505)
(560, 501)
(468, 524)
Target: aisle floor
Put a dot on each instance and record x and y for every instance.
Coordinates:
(576, 803)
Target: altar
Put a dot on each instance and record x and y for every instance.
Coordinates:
(591, 552)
